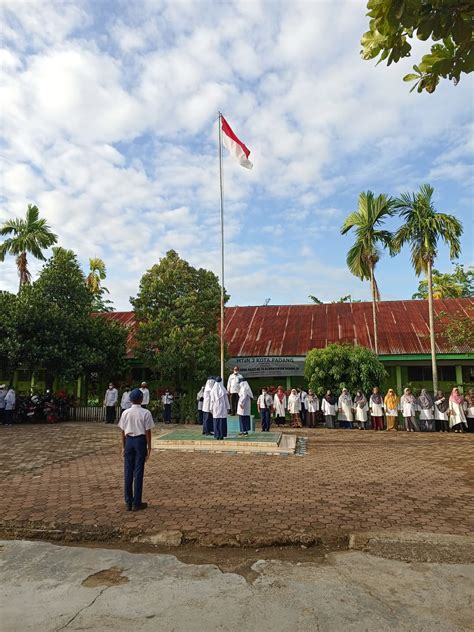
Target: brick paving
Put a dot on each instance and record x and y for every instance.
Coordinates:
(69, 477)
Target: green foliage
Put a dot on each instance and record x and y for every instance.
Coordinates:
(458, 329)
(457, 284)
(448, 22)
(177, 310)
(97, 274)
(48, 325)
(423, 227)
(29, 236)
(338, 366)
(315, 299)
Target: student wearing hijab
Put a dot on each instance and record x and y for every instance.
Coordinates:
(219, 403)
(264, 405)
(360, 409)
(312, 407)
(470, 410)
(200, 399)
(457, 417)
(279, 406)
(345, 409)
(207, 422)
(391, 404)
(244, 406)
(426, 408)
(125, 402)
(441, 412)
(408, 408)
(328, 408)
(376, 408)
(294, 408)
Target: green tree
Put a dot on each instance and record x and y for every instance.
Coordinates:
(315, 299)
(422, 228)
(457, 284)
(31, 235)
(364, 254)
(342, 365)
(97, 274)
(458, 329)
(178, 310)
(448, 22)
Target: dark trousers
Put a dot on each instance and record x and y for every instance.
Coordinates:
(8, 418)
(442, 425)
(280, 421)
(470, 424)
(244, 421)
(200, 415)
(311, 417)
(303, 414)
(134, 469)
(234, 400)
(2, 416)
(167, 413)
(207, 423)
(110, 414)
(265, 419)
(220, 428)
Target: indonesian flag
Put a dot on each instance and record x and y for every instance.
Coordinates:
(236, 147)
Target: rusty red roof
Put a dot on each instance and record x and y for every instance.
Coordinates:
(292, 330)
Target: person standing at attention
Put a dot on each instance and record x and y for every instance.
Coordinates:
(146, 394)
(167, 400)
(470, 410)
(279, 406)
(110, 403)
(408, 408)
(264, 405)
(207, 422)
(136, 424)
(219, 409)
(233, 388)
(125, 402)
(10, 402)
(200, 399)
(244, 407)
(376, 409)
(457, 417)
(303, 395)
(361, 409)
(328, 408)
(391, 404)
(294, 408)
(345, 407)
(441, 411)
(3, 393)
(312, 407)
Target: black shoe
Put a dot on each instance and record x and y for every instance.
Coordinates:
(140, 507)
(128, 507)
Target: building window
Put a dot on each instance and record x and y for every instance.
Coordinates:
(447, 373)
(468, 374)
(420, 374)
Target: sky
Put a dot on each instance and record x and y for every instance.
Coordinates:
(108, 118)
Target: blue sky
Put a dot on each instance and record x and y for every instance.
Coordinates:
(109, 125)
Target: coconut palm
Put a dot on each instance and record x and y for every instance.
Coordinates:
(364, 254)
(30, 236)
(422, 228)
(97, 273)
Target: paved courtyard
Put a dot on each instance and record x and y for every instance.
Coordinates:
(68, 478)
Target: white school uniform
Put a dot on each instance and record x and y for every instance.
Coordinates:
(135, 421)
(233, 383)
(361, 413)
(345, 409)
(166, 399)
(199, 397)
(10, 399)
(245, 399)
(219, 401)
(426, 413)
(206, 404)
(125, 401)
(376, 410)
(110, 397)
(264, 402)
(457, 415)
(279, 406)
(294, 404)
(312, 403)
(146, 396)
(327, 408)
(408, 408)
(439, 416)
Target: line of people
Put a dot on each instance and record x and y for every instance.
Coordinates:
(111, 398)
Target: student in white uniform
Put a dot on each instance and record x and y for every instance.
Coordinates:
(219, 409)
(294, 408)
(207, 422)
(244, 406)
(264, 406)
(376, 408)
(457, 417)
(10, 403)
(233, 387)
(136, 424)
(470, 410)
(125, 402)
(328, 408)
(200, 399)
(303, 395)
(345, 406)
(408, 408)
(391, 404)
(279, 406)
(441, 412)
(110, 403)
(426, 408)
(312, 407)
(361, 409)
(167, 401)
(146, 394)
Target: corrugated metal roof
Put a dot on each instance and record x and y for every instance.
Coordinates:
(292, 330)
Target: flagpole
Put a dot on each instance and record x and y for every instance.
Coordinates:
(222, 245)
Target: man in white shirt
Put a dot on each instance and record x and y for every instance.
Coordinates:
(110, 402)
(136, 424)
(146, 394)
(303, 394)
(125, 402)
(167, 400)
(264, 405)
(10, 401)
(233, 388)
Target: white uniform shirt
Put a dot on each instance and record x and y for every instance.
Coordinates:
(264, 402)
(361, 412)
(167, 398)
(469, 410)
(345, 409)
(219, 405)
(136, 421)
(199, 398)
(457, 416)
(10, 399)
(312, 403)
(426, 413)
(3, 393)
(279, 406)
(110, 397)
(327, 408)
(233, 383)
(303, 396)
(294, 404)
(438, 414)
(146, 396)
(125, 401)
(206, 404)
(376, 410)
(408, 408)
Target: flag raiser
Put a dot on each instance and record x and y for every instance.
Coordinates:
(236, 147)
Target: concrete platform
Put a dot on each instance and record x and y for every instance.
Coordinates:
(256, 442)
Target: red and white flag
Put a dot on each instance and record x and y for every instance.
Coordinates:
(236, 147)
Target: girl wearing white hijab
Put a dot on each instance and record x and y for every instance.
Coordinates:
(408, 408)
(219, 409)
(345, 409)
(207, 423)
(361, 409)
(294, 408)
(243, 406)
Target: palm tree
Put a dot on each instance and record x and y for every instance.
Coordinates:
(97, 273)
(30, 236)
(422, 228)
(364, 254)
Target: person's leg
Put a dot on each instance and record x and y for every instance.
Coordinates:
(129, 467)
(224, 428)
(2, 416)
(8, 417)
(241, 424)
(234, 400)
(139, 470)
(470, 424)
(217, 428)
(200, 417)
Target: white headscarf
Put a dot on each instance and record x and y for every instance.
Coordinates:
(209, 384)
(218, 391)
(245, 390)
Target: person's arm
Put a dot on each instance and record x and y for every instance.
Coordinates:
(123, 442)
(148, 444)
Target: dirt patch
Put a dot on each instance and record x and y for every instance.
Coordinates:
(108, 577)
